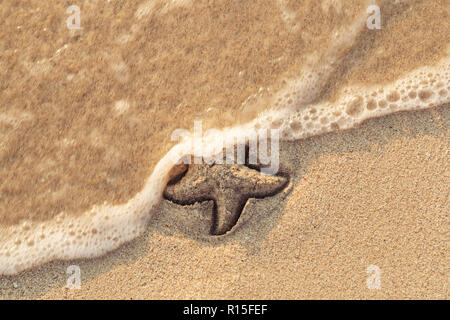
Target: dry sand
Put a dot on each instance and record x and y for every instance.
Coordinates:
(374, 195)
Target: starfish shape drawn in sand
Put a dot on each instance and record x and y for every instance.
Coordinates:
(229, 186)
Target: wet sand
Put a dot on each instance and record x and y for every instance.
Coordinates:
(374, 195)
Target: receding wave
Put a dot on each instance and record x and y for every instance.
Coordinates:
(86, 115)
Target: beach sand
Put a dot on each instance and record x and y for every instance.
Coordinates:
(373, 195)
(87, 118)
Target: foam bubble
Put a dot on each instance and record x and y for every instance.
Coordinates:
(420, 89)
(148, 7)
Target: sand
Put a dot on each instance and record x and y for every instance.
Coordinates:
(315, 240)
(86, 115)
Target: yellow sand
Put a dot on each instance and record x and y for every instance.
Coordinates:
(376, 195)
(87, 114)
